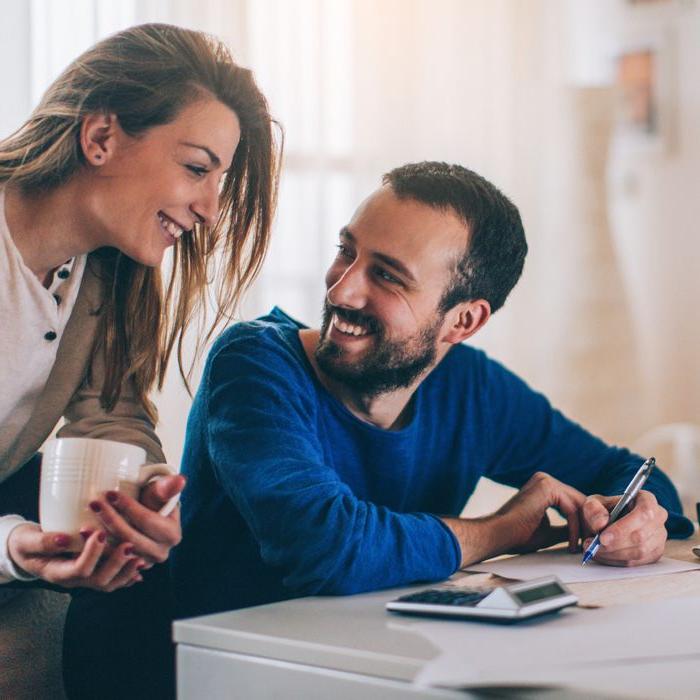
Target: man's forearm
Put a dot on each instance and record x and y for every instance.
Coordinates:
(480, 538)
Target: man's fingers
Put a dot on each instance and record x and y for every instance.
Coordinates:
(632, 528)
(645, 552)
(574, 528)
(556, 534)
(569, 502)
(596, 512)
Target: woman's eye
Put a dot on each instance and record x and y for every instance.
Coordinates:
(197, 170)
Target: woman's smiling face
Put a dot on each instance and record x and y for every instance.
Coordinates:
(144, 192)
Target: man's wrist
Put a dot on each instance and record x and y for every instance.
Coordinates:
(480, 538)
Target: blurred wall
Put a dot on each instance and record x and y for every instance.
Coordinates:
(604, 319)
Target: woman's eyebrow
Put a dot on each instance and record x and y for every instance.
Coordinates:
(215, 160)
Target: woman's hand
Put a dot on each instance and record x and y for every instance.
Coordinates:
(47, 555)
(138, 522)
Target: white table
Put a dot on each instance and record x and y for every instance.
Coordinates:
(349, 647)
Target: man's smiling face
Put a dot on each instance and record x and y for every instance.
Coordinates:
(382, 320)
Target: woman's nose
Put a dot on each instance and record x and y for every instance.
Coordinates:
(206, 206)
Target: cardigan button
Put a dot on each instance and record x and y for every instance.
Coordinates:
(63, 273)
(50, 336)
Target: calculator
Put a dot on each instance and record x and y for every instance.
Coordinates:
(511, 603)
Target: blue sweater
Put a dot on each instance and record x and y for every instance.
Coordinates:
(289, 494)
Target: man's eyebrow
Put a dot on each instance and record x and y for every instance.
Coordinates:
(215, 160)
(386, 259)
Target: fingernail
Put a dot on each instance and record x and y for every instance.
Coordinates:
(128, 551)
(102, 537)
(112, 497)
(141, 565)
(86, 533)
(62, 540)
(95, 506)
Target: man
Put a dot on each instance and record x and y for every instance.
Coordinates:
(339, 460)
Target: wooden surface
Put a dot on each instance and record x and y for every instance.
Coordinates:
(647, 588)
(615, 592)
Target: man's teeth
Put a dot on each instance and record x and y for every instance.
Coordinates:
(170, 226)
(348, 328)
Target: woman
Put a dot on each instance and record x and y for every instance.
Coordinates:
(154, 138)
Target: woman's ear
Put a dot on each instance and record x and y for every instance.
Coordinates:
(98, 136)
(465, 319)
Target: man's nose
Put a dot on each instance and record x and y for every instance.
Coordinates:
(206, 205)
(350, 289)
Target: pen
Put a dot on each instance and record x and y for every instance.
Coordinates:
(627, 497)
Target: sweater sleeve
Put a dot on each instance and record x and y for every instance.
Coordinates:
(267, 454)
(528, 435)
(9, 571)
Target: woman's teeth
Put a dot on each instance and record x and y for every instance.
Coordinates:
(348, 328)
(170, 226)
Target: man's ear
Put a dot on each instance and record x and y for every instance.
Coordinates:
(98, 137)
(465, 319)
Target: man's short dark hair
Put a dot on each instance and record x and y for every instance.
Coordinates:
(493, 259)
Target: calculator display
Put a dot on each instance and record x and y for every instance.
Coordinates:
(531, 595)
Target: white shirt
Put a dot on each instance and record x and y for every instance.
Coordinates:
(32, 321)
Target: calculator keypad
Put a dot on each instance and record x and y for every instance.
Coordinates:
(435, 596)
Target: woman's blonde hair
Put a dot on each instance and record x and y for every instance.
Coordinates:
(145, 75)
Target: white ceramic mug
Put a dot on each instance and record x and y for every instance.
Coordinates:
(75, 471)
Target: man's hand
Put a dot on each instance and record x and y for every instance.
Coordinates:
(47, 556)
(522, 524)
(138, 522)
(636, 538)
(526, 515)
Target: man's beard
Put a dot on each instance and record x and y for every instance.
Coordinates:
(386, 366)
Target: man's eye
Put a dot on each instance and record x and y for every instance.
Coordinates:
(344, 251)
(197, 170)
(386, 276)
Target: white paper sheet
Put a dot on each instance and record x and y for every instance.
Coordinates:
(474, 654)
(568, 567)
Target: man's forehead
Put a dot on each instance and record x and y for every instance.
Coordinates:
(405, 225)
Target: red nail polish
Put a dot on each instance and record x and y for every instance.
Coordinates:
(102, 537)
(85, 534)
(112, 497)
(95, 506)
(62, 540)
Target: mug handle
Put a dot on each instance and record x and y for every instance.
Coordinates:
(151, 471)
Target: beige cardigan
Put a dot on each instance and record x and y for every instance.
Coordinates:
(67, 393)
(31, 624)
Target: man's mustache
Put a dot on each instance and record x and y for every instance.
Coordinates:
(355, 318)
